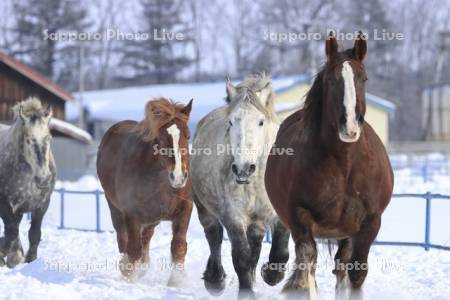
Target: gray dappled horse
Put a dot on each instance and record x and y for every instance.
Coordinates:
(27, 177)
(228, 186)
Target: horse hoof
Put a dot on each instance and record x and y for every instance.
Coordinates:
(176, 278)
(271, 276)
(214, 282)
(246, 294)
(2, 262)
(132, 270)
(215, 288)
(30, 257)
(14, 258)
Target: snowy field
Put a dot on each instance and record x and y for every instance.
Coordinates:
(83, 265)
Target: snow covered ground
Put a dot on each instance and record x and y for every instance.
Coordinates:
(74, 264)
(82, 265)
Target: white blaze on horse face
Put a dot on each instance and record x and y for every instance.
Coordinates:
(247, 135)
(178, 180)
(352, 130)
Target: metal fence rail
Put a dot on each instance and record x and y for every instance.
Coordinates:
(97, 193)
(426, 244)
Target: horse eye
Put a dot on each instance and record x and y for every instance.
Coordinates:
(231, 123)
(361, 118)
(261, 123)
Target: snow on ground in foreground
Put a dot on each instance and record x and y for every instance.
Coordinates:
(64, 255)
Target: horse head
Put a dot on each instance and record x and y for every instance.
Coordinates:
(250, 114)
(166, 123)
(34, 120)
(343, 81)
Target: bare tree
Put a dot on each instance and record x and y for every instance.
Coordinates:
(109, 15)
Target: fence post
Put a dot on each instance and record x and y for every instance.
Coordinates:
(97, 209)
(428, 198)
(425, 172)
(61, 193)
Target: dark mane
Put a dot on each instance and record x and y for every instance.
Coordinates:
(313, 104)
(314, 98)
(159, 112)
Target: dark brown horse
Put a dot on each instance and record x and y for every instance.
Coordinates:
(339, 180)
(144, 168)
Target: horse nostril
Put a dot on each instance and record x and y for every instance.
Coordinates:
(234, 169)
(251, 169)
(171, 176)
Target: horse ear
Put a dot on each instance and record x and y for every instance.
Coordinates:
(231, 90)
(187, 109)
(360, 46)
(331, 46)
(48, 113)
(264, 94)
(20, 113)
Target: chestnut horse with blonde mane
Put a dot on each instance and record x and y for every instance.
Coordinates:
(339, 180)
(144, 170)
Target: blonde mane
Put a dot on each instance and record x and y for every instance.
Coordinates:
(30, 106)
(159, 112)
(246, 92)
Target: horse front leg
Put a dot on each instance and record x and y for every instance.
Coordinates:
(131, 262)
(302, 281)
(255, 236)
(341, 259)
(34, 234)
(214, 275)
(147, 235)
(273, 271)
(12, 247)
(241, 254)
(178, 247)
(2, 252)
(361, 247)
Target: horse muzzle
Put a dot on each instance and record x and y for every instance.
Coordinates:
(350, 136)
(242, 174)
(178, 182)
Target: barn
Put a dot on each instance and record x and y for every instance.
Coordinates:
(70, 143)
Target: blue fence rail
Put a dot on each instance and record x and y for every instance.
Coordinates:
(426, 244)
(63, 192)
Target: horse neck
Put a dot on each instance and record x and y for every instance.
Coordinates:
(324, 138)
(147, 150)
